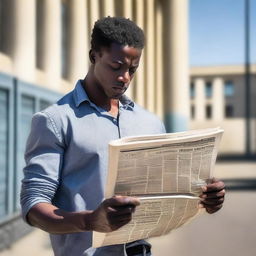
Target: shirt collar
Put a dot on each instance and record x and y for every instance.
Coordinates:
(80, 96)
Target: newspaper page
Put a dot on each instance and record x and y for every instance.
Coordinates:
(166, 172)
(155, 216)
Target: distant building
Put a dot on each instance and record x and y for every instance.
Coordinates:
(217, 98)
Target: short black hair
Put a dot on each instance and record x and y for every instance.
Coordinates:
(119, 30)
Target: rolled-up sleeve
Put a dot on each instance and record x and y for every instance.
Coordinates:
(44, 157)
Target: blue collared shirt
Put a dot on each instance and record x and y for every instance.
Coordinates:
(67, 157)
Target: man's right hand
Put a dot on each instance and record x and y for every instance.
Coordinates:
(112, 214)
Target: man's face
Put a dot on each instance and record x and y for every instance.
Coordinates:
(114, 69)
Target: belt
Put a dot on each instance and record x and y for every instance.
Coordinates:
(137, 249)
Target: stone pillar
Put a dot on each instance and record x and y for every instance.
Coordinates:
(176, 65)
(200, 100)
(218, 99)
(127, 12)
(50, 54)
(94, 11)
(159, 61)
(150, 56)
(127, 9)
(78, 45)
(140, 81)
(108, 8)
(24, 39)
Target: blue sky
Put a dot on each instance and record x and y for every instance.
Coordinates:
(216, 32)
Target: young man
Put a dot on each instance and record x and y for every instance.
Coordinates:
(67, 149)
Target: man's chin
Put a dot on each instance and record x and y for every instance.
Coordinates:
(117, 97)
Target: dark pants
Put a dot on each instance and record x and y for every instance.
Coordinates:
(138, 248)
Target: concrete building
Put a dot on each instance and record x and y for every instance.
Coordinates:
(44, 48)
(218, 98)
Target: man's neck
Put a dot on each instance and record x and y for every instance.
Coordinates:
(98, 98)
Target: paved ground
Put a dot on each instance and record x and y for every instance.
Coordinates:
(230, 232)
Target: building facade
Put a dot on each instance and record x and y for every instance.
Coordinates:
(218, 98)
(44, 47)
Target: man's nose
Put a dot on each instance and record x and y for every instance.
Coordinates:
(125, 77)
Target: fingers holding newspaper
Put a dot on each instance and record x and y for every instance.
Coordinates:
(113, 213)
(213, 195)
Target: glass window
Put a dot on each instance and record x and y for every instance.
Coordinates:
(192, 90)
(44, 104)
(208, 111)
(3, 151)
(229, 111)
(27, 109)
(208, 89)
(229, 89)
(192, 111)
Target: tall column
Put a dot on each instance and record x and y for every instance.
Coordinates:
(200, 99)
(218, 99)
(127, 9)
(108, 8)
(50, 54)
(94, 10)
(78, 45)
(176, 65)
(127, 12)
(24, 39)
(140, 81)
(159, 61)
(150, 56)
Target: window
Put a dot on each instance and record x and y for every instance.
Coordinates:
(44, 104)
(229, 89)
(229, 111)
(192, 111)
(208, 111)
(208, 89)
(15, 120)
(192, 90)
(3, 151)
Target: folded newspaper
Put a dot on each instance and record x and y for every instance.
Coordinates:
(166, 172)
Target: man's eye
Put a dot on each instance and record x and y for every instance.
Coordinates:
(115, 67)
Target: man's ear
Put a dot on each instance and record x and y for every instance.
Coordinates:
(92, 56)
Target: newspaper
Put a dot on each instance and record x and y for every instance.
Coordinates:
(166, 172)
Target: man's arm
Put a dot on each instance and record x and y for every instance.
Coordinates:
(111, 214)
(213, 195)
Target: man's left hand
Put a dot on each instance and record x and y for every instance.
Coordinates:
(213, 195)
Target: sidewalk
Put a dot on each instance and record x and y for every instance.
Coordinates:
(37, 242)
